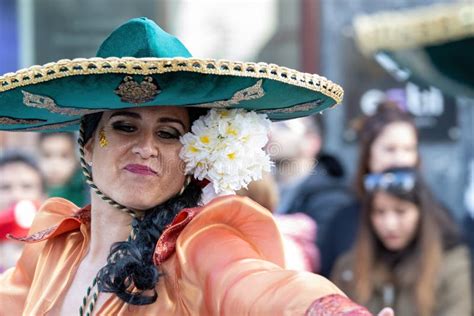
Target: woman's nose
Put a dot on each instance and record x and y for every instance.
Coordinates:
(397, 159)
(390, 222)
(403, 159)
(146, 147)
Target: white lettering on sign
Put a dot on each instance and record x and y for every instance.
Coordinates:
(419, 102)
(424, 102)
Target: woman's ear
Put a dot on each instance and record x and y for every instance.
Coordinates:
(89, 149)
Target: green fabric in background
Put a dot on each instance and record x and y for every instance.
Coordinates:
(75, 190)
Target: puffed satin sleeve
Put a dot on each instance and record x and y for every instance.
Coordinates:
(15, 282)
(232, 260)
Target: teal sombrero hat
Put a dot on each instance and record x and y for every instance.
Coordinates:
(431, 45)
(141, 65)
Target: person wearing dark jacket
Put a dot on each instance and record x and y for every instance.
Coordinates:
(319, 194)
(311, 182)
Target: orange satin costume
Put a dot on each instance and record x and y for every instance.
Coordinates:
(222, 259)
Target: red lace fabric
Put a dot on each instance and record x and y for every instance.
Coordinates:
(336, 305)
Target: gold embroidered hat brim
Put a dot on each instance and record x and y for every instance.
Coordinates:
(430, 45)
(416, 27)
(54, 96)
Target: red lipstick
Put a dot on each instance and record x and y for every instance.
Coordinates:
(140, 169)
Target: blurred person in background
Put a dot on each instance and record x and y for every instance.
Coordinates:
(408, 253)
(60, 165)
(311, 182)
(298, 230)
(22, 189)
(387, 139)
(293, 146)
(20, 179)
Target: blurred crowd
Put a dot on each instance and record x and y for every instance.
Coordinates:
(382, 236)
(27, 180)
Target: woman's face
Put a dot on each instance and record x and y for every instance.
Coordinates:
(396, 146)
(58, 159)
(395, 221)
(139, 167)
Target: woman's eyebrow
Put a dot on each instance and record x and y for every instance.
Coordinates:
(126, 113)
(164, 119)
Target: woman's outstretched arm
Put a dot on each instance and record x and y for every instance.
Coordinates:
(232, 250)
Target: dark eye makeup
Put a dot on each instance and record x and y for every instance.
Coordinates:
(163, 132)
(124, 127)
(168, 133)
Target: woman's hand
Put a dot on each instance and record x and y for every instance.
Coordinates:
(387, 311)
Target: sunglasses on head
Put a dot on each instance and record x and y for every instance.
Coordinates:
(396, 181)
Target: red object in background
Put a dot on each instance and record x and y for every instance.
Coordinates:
(17, 219)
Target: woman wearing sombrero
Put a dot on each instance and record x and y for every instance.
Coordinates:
(165, 141)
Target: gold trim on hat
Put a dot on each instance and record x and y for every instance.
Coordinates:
(411, 28)
(48, 127)
(251, 93)
(297, 108)
(5, 120)
(131, 91)
(44, 102)
(150, 66)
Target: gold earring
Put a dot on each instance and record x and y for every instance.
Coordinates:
(103, 142)
(187, 181)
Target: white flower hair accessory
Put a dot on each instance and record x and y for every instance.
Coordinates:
(226, 148)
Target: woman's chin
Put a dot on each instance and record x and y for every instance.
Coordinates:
(138, 197)
(141, 204)
(393, 246)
